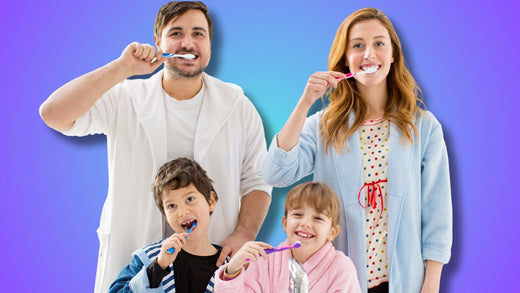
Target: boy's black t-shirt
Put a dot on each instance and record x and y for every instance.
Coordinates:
(192, 272)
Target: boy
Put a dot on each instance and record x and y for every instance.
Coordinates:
(186, 198)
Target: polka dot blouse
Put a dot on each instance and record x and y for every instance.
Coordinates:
(374, 138)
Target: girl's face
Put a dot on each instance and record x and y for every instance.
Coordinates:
(311, 228)
(369, 45)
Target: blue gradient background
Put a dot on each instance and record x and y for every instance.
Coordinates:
(462, 53)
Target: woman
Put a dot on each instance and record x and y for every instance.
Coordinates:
(382, 154)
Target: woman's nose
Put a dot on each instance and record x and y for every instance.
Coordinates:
(369, 53)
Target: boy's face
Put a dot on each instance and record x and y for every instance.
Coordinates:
(185, 206)
(311, 228)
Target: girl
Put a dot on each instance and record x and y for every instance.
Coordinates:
(382, 154)
(311, 216)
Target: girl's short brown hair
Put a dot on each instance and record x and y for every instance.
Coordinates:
(317, 195)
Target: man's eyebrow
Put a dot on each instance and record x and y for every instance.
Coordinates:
(174, 28)
(199, 28)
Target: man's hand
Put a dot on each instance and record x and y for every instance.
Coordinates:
(232, 244)
(252, 214)
(141, 59)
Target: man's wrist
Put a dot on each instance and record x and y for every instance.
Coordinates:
(248, 233)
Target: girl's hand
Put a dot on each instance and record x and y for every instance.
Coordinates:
(250, 252)
(176, 241)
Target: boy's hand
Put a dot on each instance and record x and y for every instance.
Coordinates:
(176, 241)
(250, 252)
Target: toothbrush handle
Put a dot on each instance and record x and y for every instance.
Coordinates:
(271, 250)
(172, 249)
(348, 75)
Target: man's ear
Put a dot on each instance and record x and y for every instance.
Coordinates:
(157, 41)
(212, 201)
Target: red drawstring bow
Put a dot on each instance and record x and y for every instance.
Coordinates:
(372, 196)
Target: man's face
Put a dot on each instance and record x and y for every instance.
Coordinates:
(188, 33)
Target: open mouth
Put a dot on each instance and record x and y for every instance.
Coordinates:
(304, 234)
(186, 225)
(189, 55)
(370, 69)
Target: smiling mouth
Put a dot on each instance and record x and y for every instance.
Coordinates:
(371, 69)
(196, 56)
(186, 225)
(304, 234)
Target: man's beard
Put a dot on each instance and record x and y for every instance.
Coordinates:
(184, 73)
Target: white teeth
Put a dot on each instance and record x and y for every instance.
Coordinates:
(188, 223)
(304, 235)
(370, 69)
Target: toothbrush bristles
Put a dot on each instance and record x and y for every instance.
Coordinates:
(371, 69)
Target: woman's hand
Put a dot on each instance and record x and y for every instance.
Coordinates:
(318, 83)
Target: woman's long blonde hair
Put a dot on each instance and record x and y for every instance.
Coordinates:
(403, 92)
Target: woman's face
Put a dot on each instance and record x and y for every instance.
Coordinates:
(369, 45)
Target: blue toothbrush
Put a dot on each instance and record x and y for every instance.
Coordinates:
(172, 250)
(184, 56)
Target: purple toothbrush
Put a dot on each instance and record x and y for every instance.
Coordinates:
(281, 248)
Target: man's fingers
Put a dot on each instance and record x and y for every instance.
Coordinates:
(223, 254)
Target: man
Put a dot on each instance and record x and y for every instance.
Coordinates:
(179, 111)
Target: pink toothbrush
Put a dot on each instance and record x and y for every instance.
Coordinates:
(352, 74)
(296, 244)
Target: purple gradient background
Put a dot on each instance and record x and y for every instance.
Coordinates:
(462, 53)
